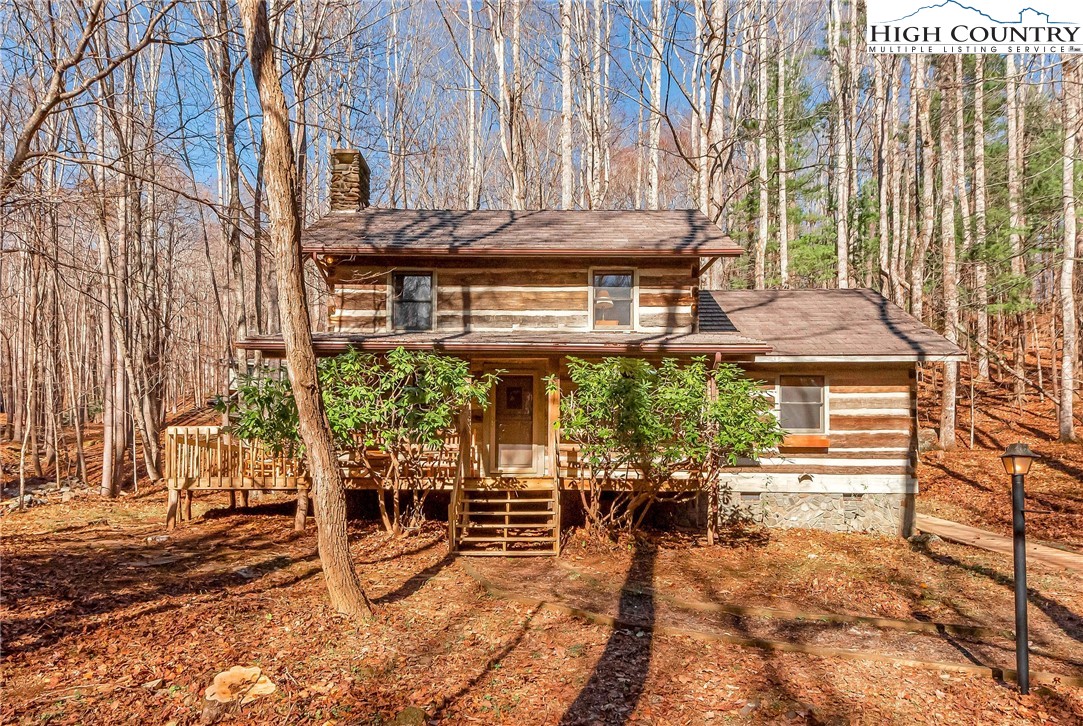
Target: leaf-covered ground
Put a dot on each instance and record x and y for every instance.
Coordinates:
(968, 485)
(105, 622)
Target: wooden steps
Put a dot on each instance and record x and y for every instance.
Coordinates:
(505, 522)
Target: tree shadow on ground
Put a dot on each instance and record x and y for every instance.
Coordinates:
(1070, 623)
(956, 475)
(448, 701)
(92, 580)
(263, 509)
(778, 687)
(618, 679)
(415, 582)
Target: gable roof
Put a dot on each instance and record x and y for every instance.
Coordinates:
(824, 324)
(374, 231)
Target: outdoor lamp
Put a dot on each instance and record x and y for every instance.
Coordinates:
(1017, 458)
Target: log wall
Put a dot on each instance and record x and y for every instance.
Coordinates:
(512, 294)
(869, 445)
(870, 434)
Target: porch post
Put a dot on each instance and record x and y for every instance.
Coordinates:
(553, 442)
(464, 424)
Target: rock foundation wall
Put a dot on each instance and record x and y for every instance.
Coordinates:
(889, 514)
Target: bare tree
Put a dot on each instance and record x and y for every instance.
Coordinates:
(57, 93)
(783, 152)
(760, 257)
(947, 239)
(343, 585)
(842, 171)
(981, 271)
(1015, 162)
(654, 119)
(510, 95)
(1069, 351)
(927, 159)
(566, 172)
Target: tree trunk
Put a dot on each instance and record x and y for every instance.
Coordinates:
(950, 272)
(654, 120)
(565, 104)
(473, 175)
(981, 272)
(1069, 352)
(927, 160)
(880, 91)
(783, 199)
(961, 188)
(842, 172)
(1015, 215)
(760, 262)
(343, 584)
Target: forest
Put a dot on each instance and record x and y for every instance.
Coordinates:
(158, 160)
(134, 246)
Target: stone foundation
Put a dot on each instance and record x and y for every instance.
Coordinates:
(889, 514)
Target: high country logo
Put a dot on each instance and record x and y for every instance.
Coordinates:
(906, 26)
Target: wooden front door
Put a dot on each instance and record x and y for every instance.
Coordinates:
(515, 425)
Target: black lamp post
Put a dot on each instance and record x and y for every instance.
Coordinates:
(1017, 459)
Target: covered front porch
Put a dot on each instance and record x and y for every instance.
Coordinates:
(504, 483)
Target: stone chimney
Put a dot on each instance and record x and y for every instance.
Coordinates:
(349, 180)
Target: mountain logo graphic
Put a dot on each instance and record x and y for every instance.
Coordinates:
(1025, 16)
(973, 26)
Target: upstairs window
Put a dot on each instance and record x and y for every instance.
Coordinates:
(801, 404)
(613, 299)
(411, 307)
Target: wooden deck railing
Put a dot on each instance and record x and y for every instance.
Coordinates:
(205, 457)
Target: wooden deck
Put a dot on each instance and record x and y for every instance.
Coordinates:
(507, 515)
(488, 515)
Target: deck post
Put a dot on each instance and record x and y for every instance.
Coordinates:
(244, 499)
(302, 510)
(188, 497)
(553, 424)
(461, 459)
(171, 508)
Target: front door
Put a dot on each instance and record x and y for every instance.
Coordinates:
(515, 424)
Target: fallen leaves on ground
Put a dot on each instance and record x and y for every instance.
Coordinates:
(104, 622)
(968, 485)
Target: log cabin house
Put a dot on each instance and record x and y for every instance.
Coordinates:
(521, 291)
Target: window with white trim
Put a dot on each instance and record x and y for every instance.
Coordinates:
(801, 404)
(411, 305)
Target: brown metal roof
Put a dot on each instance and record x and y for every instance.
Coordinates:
(823, 323)
(526, 341)
(487, 232)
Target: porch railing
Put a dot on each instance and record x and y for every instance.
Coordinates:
(205, 457)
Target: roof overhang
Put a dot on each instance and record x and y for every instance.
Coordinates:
(916, 358)
(276, 346)
(340, 253)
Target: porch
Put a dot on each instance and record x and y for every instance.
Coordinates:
(513, 513)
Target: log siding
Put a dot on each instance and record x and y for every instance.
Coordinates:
(513, 294)
(871, 441)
